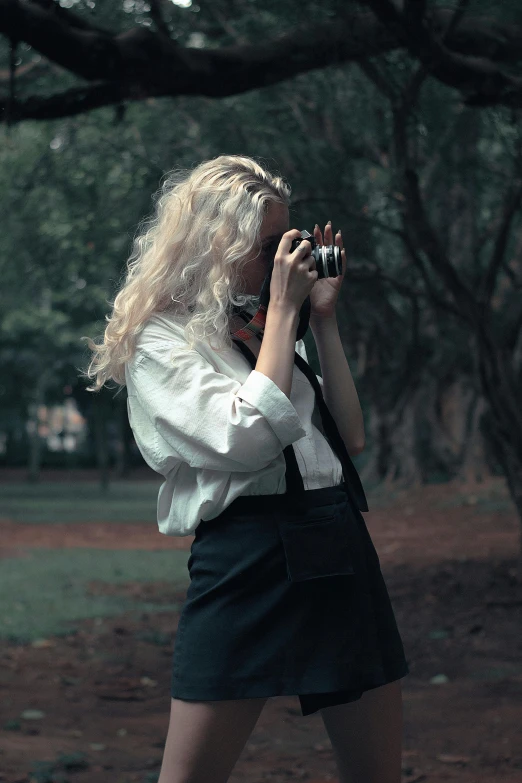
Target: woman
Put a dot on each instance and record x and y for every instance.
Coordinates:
(286, 593)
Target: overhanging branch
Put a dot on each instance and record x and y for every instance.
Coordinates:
(481, 81)
(142, 62)
(77, 100)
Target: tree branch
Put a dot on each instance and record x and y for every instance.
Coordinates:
(512, 203)
(156, 13)
(70, 18)
(358, 272)
(11, 95)
(141, 62)
(25, 70)
(477, 77)
(66, 104)
(455, 20)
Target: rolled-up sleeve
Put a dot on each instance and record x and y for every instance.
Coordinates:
(210, 420)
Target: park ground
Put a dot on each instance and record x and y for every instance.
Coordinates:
(90, 596)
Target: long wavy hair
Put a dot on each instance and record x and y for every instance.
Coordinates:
(187, 259)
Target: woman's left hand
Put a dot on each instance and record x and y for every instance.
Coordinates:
(323, 297)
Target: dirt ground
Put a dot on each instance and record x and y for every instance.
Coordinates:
(449, 561)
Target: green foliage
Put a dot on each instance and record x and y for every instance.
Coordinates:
(74, 192)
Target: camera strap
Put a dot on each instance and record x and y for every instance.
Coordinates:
(255, 325)
(295, 486)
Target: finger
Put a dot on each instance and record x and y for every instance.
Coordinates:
(317, 234)
(303, 249)
(328, 234)
(339, 240)
(287, 239)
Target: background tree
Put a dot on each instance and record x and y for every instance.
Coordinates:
(404, 130)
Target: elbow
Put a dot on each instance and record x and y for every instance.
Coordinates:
(355, 450)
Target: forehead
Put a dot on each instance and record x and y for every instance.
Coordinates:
(275, 222)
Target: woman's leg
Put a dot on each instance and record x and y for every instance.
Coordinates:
(206, 738)
(366, 735)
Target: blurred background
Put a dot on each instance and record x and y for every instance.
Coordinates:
(400, 121)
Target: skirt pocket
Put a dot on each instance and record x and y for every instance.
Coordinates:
(318, 548)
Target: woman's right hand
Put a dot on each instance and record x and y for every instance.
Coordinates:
(294, 274)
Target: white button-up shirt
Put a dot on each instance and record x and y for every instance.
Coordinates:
(215, 428)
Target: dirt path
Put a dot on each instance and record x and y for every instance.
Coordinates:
(450, 572)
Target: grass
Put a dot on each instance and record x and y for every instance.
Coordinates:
(45, 592)
(80, 501)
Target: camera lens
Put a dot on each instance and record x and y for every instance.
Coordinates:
(328, 261)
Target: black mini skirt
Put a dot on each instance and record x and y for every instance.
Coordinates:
(283, 604)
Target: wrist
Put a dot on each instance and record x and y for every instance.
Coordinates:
(317, 323)
(281, 312)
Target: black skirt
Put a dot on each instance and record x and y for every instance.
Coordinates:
(284, 603)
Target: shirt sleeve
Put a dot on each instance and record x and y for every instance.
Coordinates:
(209, 419)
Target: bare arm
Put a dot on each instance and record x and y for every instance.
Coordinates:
(276, 355)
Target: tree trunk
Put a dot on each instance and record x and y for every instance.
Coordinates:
(100, 435)
(503, 421)
(124, 433)
(35, 440)
(474, 468)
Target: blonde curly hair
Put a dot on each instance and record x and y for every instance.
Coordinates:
(184, 257)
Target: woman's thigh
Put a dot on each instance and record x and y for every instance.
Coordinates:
(206, 738)
(366, 735)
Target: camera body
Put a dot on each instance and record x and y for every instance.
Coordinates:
(328, 260)
(328, 263)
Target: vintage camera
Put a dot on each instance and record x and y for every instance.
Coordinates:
(328, 260)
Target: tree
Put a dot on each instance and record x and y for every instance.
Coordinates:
(413, 149)
(476, 54)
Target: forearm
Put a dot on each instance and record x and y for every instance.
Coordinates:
(276, 355)
(339, 389)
